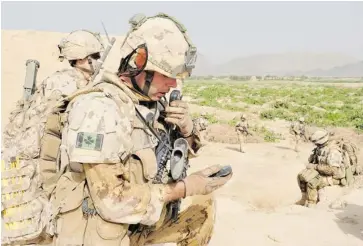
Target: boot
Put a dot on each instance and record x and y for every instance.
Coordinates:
(310, 205)
(302, 201)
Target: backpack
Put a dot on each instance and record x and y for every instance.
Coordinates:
(350, 156)
(29, 158)
(31, 166)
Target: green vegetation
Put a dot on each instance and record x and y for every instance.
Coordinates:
(268, 136)
(321, 105)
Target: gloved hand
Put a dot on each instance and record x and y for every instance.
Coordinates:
(178, 114)
(199, 183)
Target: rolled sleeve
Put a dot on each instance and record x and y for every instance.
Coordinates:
(118, 201)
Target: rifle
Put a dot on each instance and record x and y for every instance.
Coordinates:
(104, 55)
(32, 67)
(179, 161)
(178, 156)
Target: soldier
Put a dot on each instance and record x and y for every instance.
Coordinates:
(297, 129)
(106, 195)
(242, 131)
(82, 49)
(32, 143)
(202, 122)
(325, 168)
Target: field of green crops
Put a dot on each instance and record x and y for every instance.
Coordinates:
(321, 105)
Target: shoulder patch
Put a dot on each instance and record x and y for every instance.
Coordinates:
(89, 141)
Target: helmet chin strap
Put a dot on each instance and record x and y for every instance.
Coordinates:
(148, 79)
(89, 70)
(90, 62)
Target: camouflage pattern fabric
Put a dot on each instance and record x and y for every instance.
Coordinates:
(79, 44)
(242, 127)
(297, 129)
(242, 132)
(165, 56)
(106, 143)
(312, 191)
(29, 155)
(64, 82)
(201, 123)
(61, 83)
(326, 169)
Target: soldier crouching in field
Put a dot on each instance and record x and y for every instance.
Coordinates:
(333, 162)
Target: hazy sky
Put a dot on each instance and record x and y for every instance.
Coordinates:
(221, 31)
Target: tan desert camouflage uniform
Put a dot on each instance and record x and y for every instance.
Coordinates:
(109, 160)
(242, 131)
(297, 130)
(326, 168)
(30, 150)
(201, 122)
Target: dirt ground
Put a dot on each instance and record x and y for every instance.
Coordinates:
(257, 206)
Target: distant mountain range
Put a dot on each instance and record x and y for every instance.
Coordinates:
(349, 70)
(43, 46)
(286, 64)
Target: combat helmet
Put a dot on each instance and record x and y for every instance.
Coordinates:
(169, 50)
(243, 116)
(320, 137)
(79, 44)
(301, 119)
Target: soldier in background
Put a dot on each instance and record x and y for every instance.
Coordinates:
(328, 165)
(297, 129)
(202, 122)
(32, 136)
(242, 131)
(82, 49)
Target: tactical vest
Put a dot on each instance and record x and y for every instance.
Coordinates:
(138, 158)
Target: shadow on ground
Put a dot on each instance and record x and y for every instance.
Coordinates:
(350, 220)
(234, 149)
(284, 147)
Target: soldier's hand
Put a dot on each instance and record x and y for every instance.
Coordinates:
(199, 183)
(178, 114)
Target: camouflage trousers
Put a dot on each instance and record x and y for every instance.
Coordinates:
(310, 182)
(242, 139)
(194, 226)
(297, 140)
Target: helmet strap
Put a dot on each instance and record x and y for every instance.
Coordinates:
(146, 88)
(88, 70)
(90, 63)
